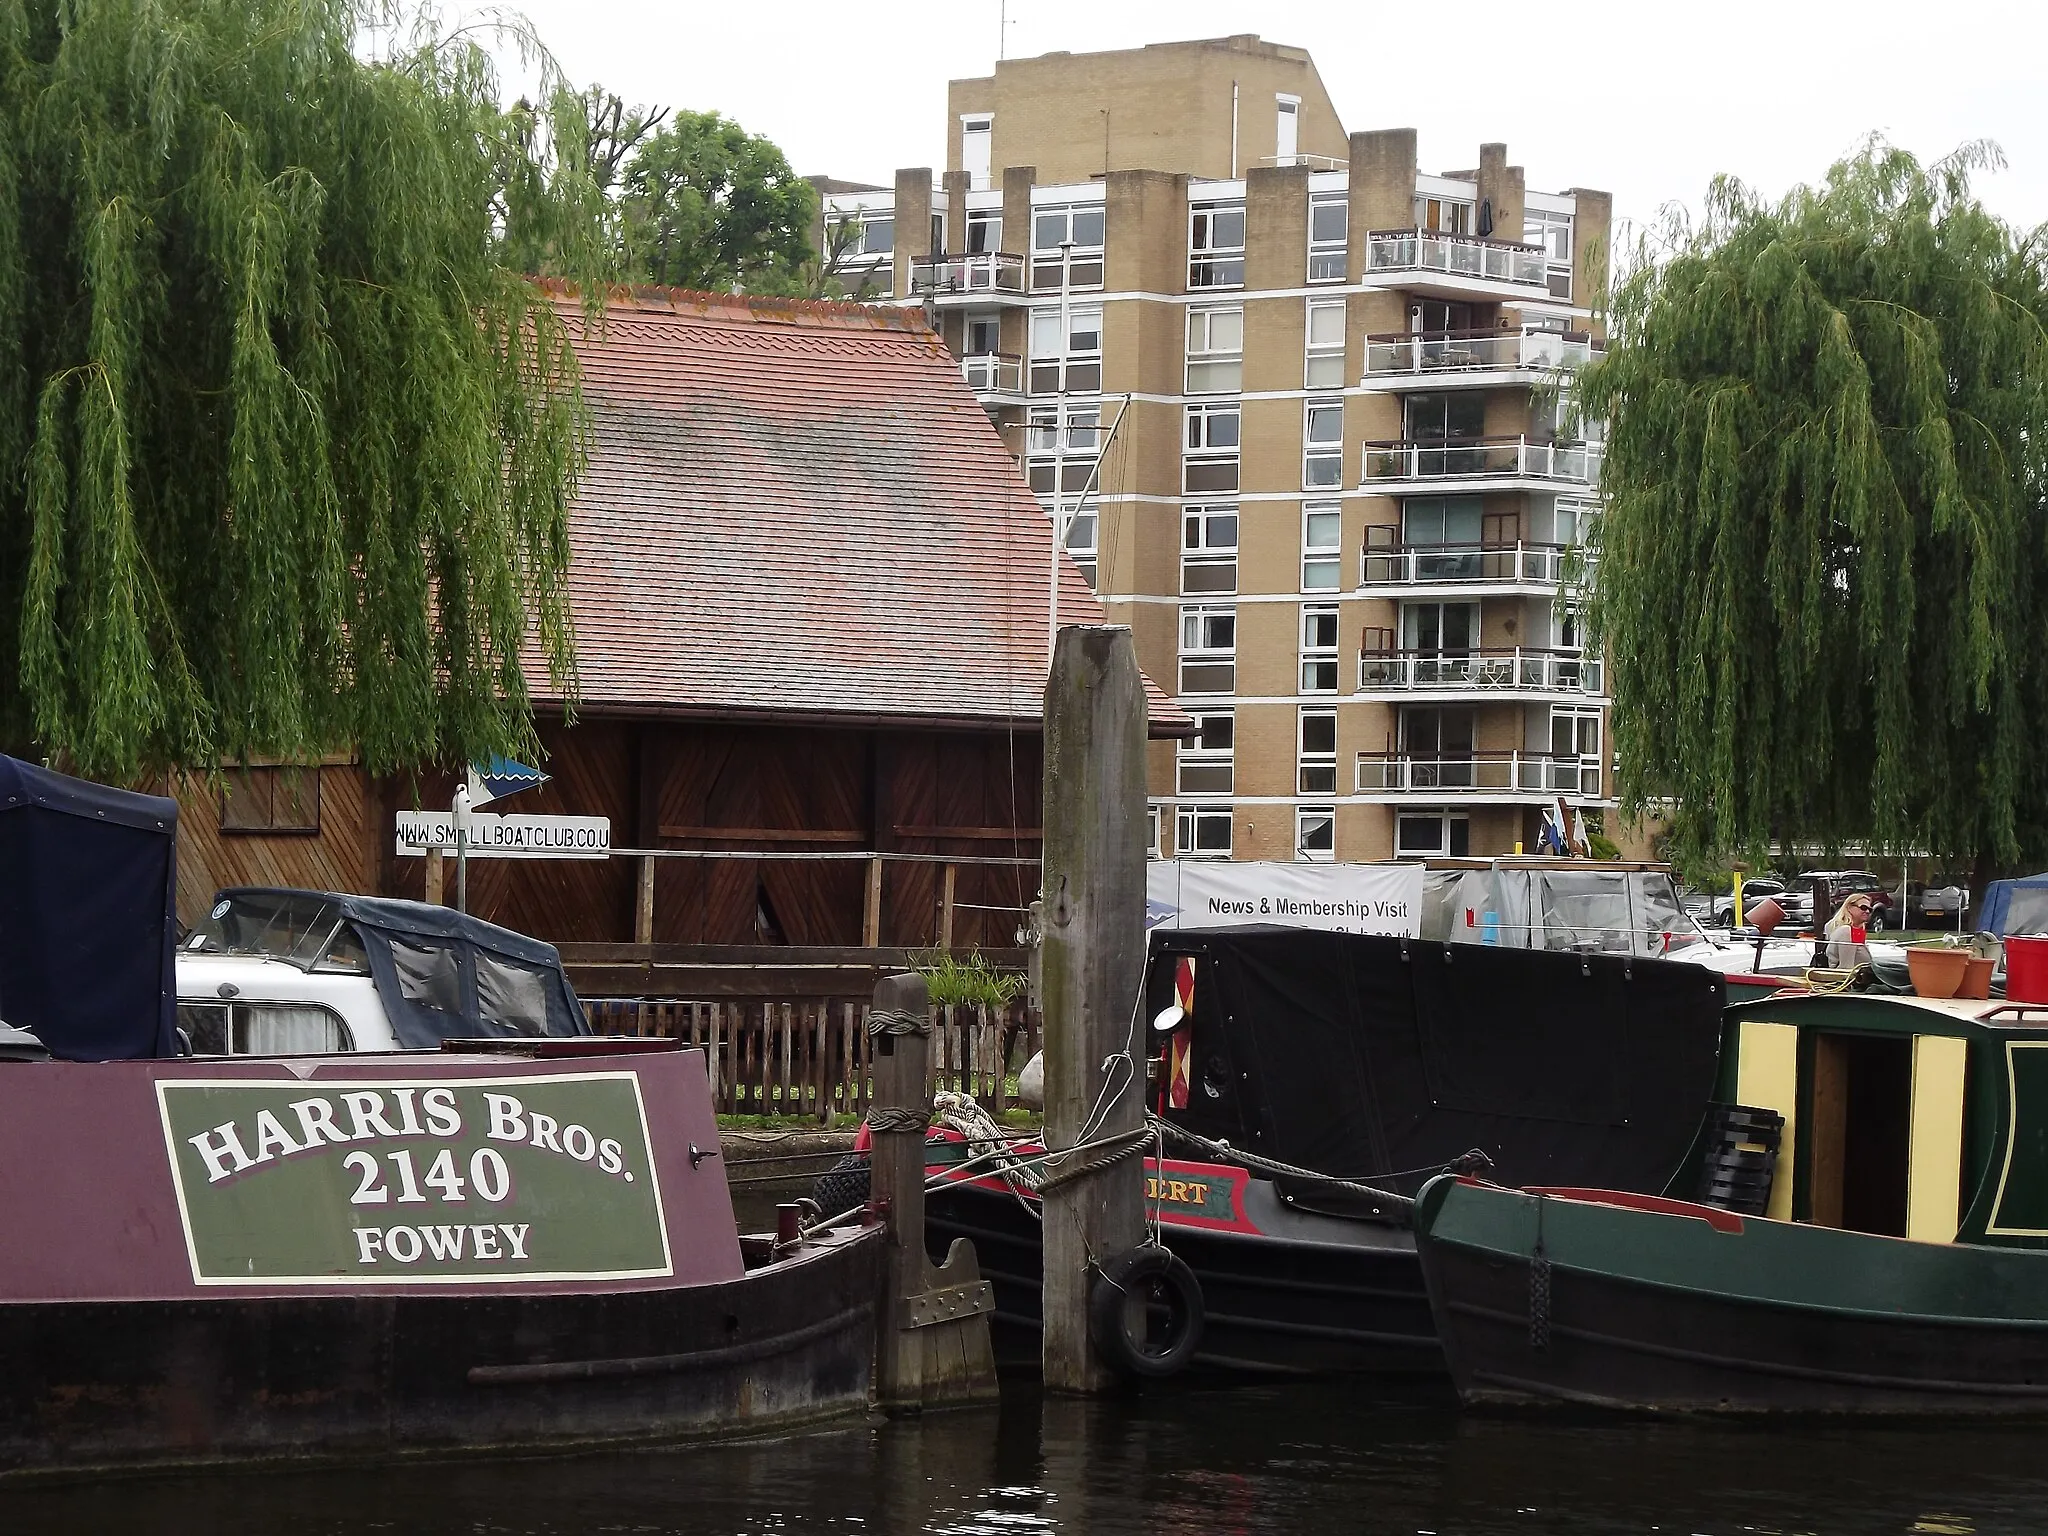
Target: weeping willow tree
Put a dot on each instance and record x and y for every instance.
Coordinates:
(286, 436)
(1823, 563)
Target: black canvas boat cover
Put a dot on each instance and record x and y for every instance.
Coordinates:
(88, 915)
(442, 974)
(1364, 1056)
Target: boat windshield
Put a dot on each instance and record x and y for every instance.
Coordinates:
(303, 930)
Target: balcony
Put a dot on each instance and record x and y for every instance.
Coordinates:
(1479, 464)
(1506, 672)
(1501, 776)
(968, 280)
(1426, 261)
(997, 378)
(1474, 359)
(1531, 570)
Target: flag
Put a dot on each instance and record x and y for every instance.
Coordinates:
(500, 777)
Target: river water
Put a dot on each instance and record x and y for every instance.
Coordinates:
(1294, 1461)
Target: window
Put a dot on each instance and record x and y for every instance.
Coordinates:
(984, 335)
(984, 230)
(1448, 215)
(1422, 833)
(1319, 648)
(1439, 629)
(1432, 521)
(1315, 833)
(1322, 452)
(1061, 443)
(276, 800)
(1208, 650)
(1325, 345)
(976, 135)
(1445, 418)
(263, 1029)
(1329, 225)
(429, 975)
(1575, 733)
(1216, 245)
(1082, 226)
(1069, 362)
(1201, 831)
(1215, 351)
(1572, 520)
(1210, 448)
(1552, 231)
(1322, 529)
(512, 995)
(938, 232)
(878, 235)
(1208, 550)
(1082, 525)
(1151, 831)
(1287, 129)
(1316, 767)
(1203, 761)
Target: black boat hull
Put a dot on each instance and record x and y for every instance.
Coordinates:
(193, 1382)
(1328, 1296)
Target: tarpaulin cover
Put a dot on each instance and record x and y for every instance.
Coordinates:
(88, 915)
(443, 975)
(2016, 906)
(1364, 1056)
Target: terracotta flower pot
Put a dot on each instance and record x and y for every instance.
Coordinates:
(1936, 971)
(1977, 978)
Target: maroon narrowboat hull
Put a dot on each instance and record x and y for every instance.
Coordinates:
(138, 1384)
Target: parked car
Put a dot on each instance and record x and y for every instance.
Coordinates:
(1943, 906)
(1843, 883)
(284, 972)
(1796, 904)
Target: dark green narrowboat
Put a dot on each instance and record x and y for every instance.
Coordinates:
(1899, 1266)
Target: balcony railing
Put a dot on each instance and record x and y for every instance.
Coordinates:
(1434, 564)
(1517, 669)
(967, 272)
(1510, 773)
(993, 373)
(1427, 250)
(1439, 352)
(1483, 458)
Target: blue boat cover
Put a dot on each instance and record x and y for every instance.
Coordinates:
(88, 915)
(2016, 906)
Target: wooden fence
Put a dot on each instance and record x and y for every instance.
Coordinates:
(811, 1057)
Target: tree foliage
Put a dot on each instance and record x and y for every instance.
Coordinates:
(704, 204)
(286, 436)
(1823, 562)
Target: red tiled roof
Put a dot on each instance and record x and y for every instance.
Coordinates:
(799, 509)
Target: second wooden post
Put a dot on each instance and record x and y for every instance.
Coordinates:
(1093, 959)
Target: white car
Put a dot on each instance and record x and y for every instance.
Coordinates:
(285, 973)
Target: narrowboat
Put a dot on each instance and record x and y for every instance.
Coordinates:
(1893, 1260)
(514, 1244)
(1363, 1064)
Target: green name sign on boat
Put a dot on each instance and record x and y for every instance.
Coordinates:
(430, 1181)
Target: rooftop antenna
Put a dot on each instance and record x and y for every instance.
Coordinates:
(1002, 28)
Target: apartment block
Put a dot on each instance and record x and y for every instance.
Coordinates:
(1297, 405)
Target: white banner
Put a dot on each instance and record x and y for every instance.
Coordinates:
(1344, 898)
(508, 837)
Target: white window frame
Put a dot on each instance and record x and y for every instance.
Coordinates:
(1222, 365)
(1151, 831)
(1323, 817)
(979, 126)
(1192, 752)
(1069, 362)
(1445, 840)
(1318, 559)
(1319, 762)
(990, 222)
(1322, 457)
(1189, 824)
(1084, 261)
(1323, 352)
(1084, 535)
(1327, 258)
(1212, 261)
(1540, 226)
(1199, 647)
(1319, 658)
(1207, 467)
(1202, 545)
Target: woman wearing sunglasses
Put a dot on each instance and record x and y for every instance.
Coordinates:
(1845, 930)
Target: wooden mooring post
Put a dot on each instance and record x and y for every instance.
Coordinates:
(932, 1346)
(1093, 963)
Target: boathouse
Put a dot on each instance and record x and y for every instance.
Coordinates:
(811, 591)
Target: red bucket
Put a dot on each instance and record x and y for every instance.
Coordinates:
(2026, 970)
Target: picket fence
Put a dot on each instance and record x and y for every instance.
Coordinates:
(812, 1057)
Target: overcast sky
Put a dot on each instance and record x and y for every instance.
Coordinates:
(1646, 100)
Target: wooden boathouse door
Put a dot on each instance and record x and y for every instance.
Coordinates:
(1859, 1132)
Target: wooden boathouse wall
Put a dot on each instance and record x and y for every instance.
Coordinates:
(722, 787)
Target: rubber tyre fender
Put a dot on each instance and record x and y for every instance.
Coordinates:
(1106, 1321)
(845, 1184)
